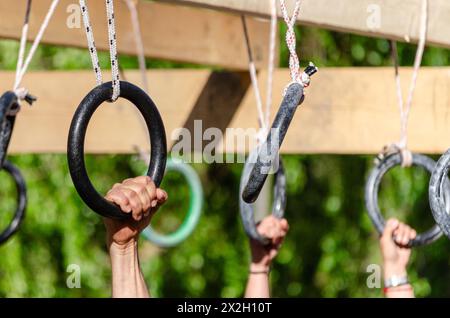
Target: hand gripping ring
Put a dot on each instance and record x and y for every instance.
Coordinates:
(278, 206)
(268, 151)
(21, 201)
(373, 185)
(194, 212)
(438, 199)
(77, 134)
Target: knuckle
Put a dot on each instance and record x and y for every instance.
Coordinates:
(132, 194)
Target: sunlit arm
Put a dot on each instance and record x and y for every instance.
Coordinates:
(127, 278)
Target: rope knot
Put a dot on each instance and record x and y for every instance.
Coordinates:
(304, 78)
(261, 135)
(396, 148)
(22, 95)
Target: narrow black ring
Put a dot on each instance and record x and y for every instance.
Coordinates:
(373, 186)
(437, 197)
(269, 150)
(77, 134)
(21, 201)
(279, 203)
(8, 102)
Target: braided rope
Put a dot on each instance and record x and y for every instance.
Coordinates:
(112, 46)
(291, 41)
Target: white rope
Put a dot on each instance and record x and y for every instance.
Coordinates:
(254, 77)
(132, 7)
(405, 108)
(23, 42)
(272, 51)
(113, 49)
(263, 116)
(112, 46)
(302, 78)
(21, 65)
(139, 43)
(91, 43)
(291, 41)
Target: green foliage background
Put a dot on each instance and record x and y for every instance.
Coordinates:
(330, 244)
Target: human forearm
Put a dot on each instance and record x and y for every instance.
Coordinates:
(403, 291)
(127, 279)
(258, 282)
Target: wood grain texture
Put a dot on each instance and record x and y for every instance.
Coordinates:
(399, 19)
(169, 32)
(346, 111)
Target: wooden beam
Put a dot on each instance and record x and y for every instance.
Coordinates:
(399, 19)
(169, 32)
(346, 111)
(115, 128)
(355, 111)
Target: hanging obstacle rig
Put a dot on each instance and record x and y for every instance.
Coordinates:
(110, 92)
(9, 106)
(77, 134)
(294, 96)
(328, 125)
(399, 154)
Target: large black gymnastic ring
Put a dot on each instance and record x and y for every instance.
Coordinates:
(77, 134)
(269, 150)
(373, 186)
(279, 203)
(437, 196)
(21, 201)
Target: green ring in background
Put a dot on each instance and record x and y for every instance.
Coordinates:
(194, 212)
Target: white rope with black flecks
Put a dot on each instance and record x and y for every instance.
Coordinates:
(22, 62)
(112, 46)
(294, 63)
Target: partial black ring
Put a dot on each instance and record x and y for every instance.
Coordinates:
(8, 103)
(279, 203)
(269, 150)
(77, 134)
(21, 201)
(373, 186)
(437, 197)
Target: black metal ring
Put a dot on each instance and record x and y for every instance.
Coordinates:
(437, 197)
(268, 151)
(77, 134)
(372, 188)
(21, 201)
(279, 203)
